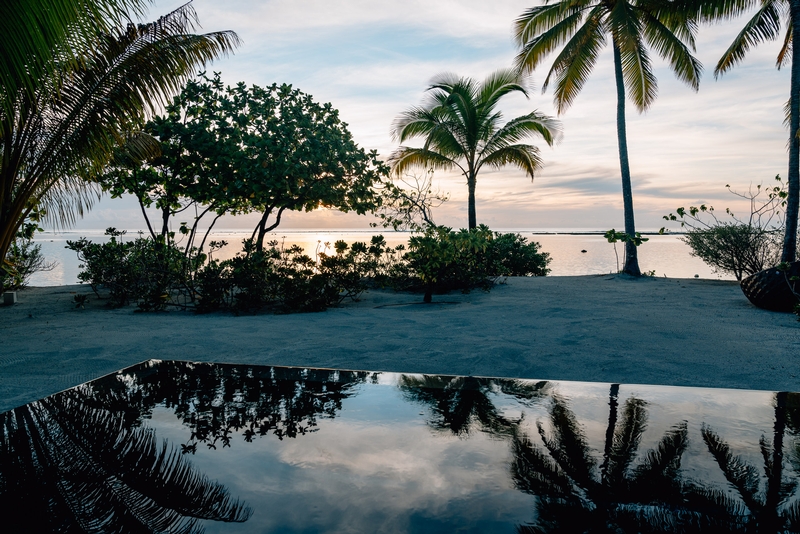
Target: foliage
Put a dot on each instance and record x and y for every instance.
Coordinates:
(737, 246)
(443, 259)
(38, 37)
(247, 149)
(463, 130)
(581, 29)
(54, 139)
(145, 271)
(408, 206)
(24, 257)
(156, 274)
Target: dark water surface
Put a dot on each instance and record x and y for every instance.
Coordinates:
(190, 447)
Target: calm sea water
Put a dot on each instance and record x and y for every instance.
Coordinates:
(572, 255)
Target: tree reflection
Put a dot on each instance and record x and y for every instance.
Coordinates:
(575, 494)
(217, 401)
(759, 507)
(458, 403)
(67, 465)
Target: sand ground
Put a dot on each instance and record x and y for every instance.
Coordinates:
(608, 328)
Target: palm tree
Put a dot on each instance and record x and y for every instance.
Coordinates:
(463, 131)
(57, 138)
(766, 25)
(582, 27)
(38, 35)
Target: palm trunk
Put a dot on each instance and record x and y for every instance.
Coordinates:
(473, 220)
(793, 200)
(631, 261)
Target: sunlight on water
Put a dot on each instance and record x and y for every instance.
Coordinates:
(666, 255)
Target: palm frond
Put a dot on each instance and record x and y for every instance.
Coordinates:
(670, 47)
(740, 474)
(568, 445)
(637, 71)
(37, 37)
(764, 25)
(526, 157)
(574, 64)
(627, 437)
(785, 53)
(534, 50)
(536, 473)
(540, 19)
(405, 158)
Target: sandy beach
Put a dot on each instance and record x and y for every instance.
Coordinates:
(607, 328)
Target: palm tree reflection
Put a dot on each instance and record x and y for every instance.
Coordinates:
(575, 494)
(458, 403)
(758, 507)
(68, 466)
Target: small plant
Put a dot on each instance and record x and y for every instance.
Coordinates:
(613, 237)
(24, 257)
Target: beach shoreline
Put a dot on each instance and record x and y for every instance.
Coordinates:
(597, 328)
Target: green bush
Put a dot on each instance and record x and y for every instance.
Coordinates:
(444, 260)
(151, 273)
(735, 248)
(155, 275)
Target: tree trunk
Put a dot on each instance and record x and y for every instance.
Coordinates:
(793, 200)
(473, 221)
(772, 520)
(613, 408)
(631, 261)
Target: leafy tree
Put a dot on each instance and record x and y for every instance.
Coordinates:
(65, 132)
(766, 25)
(581, 28)
(463, 130)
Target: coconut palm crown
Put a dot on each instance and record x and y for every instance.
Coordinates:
(765, 25)
(56, 139)
(463, 130)
(581, 28)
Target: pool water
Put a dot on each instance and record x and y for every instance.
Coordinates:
(172, 446)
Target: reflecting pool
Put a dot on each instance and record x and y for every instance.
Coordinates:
(171, 446)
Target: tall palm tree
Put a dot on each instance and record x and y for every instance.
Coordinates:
(462, 130)
(766, 25)
(581, 28)
(59, 136)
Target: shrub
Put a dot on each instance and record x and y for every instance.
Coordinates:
(443, 259)
(151, 273)
(740, 247)
(24, 258)
(735, 248)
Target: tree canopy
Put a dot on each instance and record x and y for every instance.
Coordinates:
(241, 149)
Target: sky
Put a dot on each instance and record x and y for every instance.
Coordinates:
(373, 59)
